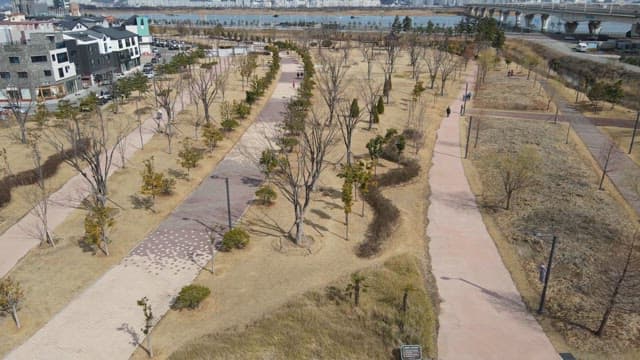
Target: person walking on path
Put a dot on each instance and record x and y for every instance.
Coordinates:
(448, 111)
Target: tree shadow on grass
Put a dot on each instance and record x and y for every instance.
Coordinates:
(265, 226)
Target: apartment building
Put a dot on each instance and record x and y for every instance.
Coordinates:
(124, 44)
(139, 25)
(38, 69)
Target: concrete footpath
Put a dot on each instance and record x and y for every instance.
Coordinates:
(23, 236)
(482, 315)
(104, 322)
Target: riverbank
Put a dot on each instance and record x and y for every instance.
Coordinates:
(283, 11)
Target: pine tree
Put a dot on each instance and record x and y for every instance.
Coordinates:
(380, 106)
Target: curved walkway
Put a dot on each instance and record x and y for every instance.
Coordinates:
(104, 321)
(482, 315)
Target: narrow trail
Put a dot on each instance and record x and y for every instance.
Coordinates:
(482, 315)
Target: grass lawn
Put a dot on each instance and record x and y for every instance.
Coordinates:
(591, 225)
(324, 323)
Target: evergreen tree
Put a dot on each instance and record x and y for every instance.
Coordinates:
(397, 25)
(406, 24)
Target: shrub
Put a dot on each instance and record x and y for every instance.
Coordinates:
(380, 106)
(241, 109)
(190, 297)
(385, 213)
(236, 238)
(229, 124)
(266, 194)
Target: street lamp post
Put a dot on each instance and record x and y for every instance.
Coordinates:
(547, 275)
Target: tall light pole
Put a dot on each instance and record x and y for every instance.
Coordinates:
(547, 274)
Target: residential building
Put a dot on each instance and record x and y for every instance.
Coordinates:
(89, 51)
(17, 29)
(139, 25)
(39, 69)
(124, 44)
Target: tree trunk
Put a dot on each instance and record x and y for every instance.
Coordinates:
(405, 301)
(346, 222)
(607, 313)
(139, 128)
(508, 202)
(14, 312)
(442, 87)
(149, 348)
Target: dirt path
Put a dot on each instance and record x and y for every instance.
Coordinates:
(23, 236)
(104, 321)
(482, 315)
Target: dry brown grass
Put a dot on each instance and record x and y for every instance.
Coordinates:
(622, 138)
(590, 225)
(324, 324)
(511, 93)
(52, 277)
(250, 284)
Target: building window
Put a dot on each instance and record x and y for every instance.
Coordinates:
(66, 69)
(135, 50)
(60, 72)
(5, 75)
(53, 58)
(14, 60)
(23, 74)
(120, 44)
(128, 42)
(52, 39)
(62, 57)
(38, 59)
(47, 73)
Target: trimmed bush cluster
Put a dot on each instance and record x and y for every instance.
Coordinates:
(260, 85)
(30, 177)
(235, 238)
(190, 297)
(385, 214)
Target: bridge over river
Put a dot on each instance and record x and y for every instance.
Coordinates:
(570, 14)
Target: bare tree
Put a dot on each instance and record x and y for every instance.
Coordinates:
(20, 107)
(624, 292)
(299, 171)
(367, 48)
(40, 200)
(449, 64)
(392, 50)
(416, 53)
(370, 92)
(168, 93)
(93, 146)
(330, 81)
(348, 118)
(515, 172)
(247, 67)
(433, 61)
(205, 86)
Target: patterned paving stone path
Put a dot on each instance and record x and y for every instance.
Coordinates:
(482, 315)
(104, 321)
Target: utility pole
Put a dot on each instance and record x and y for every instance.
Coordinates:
(635, 128)
(464, 99)
(547, 276)
(466, 145)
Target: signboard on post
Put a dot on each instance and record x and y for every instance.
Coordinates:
(411, 352)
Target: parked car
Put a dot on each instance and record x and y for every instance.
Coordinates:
(105, 96)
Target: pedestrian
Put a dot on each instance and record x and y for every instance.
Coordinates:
(448, 111)
(294, 84)
(461, 109)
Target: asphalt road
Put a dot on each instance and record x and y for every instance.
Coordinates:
(565, 48)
